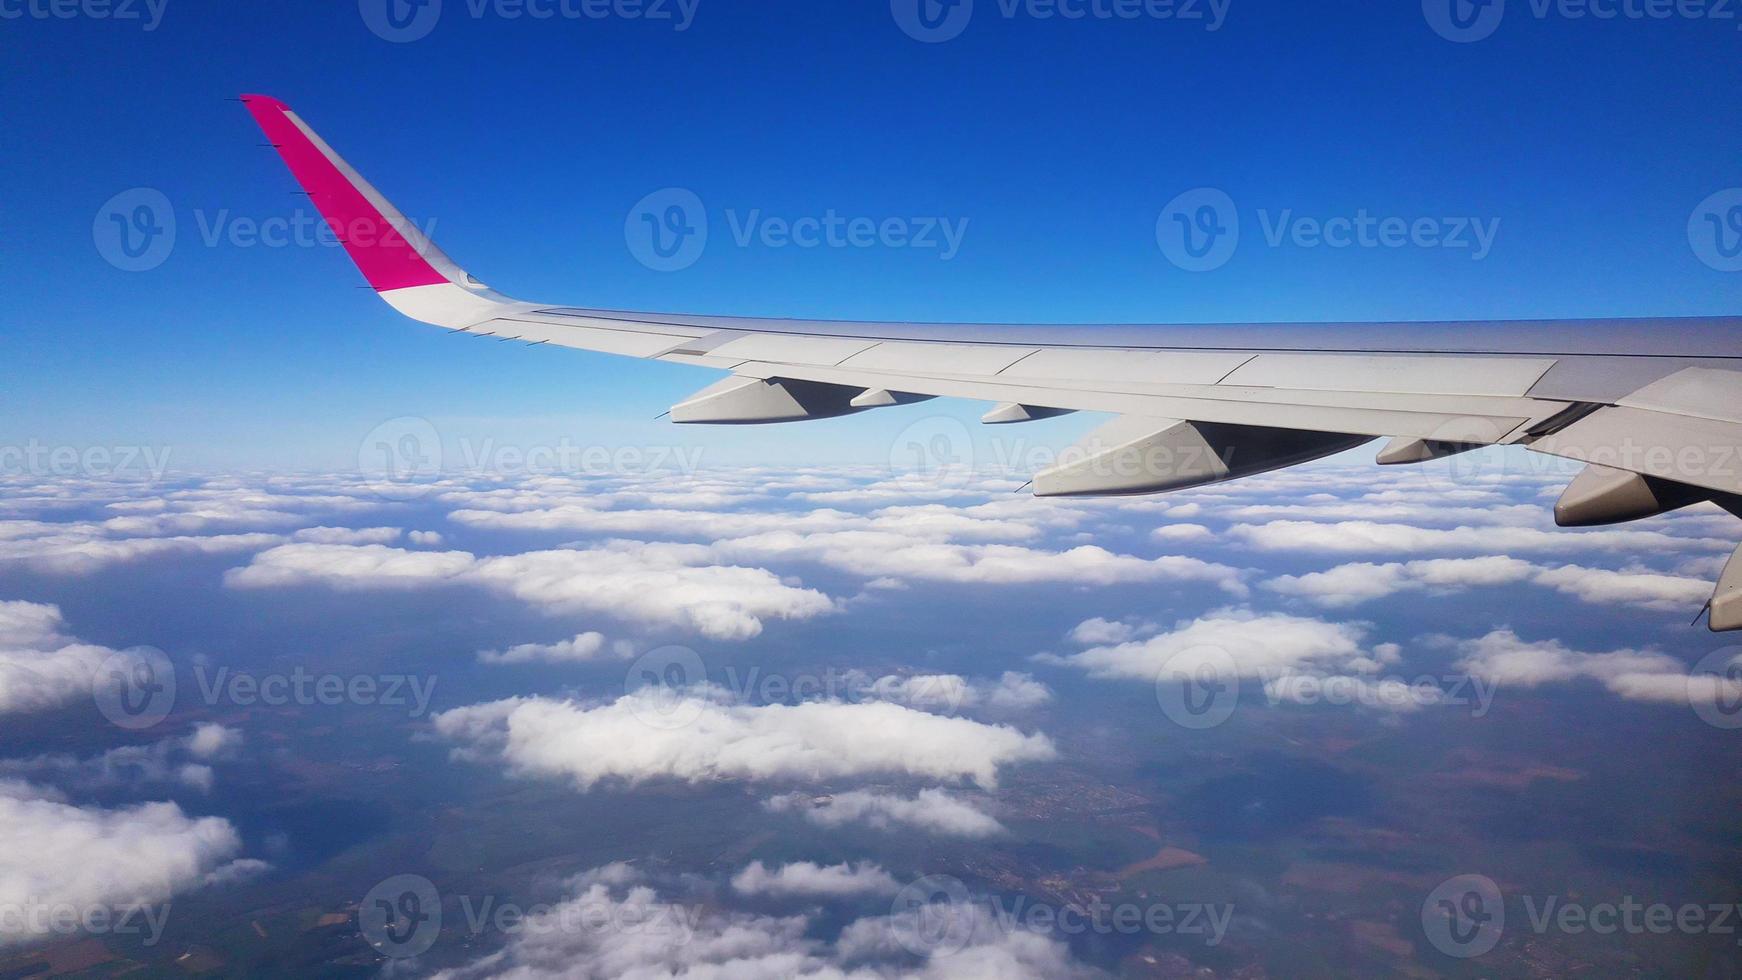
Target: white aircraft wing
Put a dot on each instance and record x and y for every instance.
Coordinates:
(1652, 406)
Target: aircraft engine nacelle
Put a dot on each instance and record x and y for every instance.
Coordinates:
(1132, 455)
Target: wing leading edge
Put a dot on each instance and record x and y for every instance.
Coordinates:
(1653, 407)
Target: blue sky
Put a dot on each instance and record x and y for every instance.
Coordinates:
(1058, 141)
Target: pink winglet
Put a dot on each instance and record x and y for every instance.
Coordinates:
(386, 259)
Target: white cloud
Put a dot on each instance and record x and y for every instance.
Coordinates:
(82, 549)
(211, 741)
(1179, 533)
(39, 667)
(694, 737)
(577, 649)
(167, 762)
(1633, 587)
(808, 880)
(616, 924)
(1502, 657)
(662, 584)
(880, 554)
(1249, 643)
(62, 856)
(1348, 585)
(1012, 691)
(345, 535)
(932, 810)
(1368, 536)
(1098, 631)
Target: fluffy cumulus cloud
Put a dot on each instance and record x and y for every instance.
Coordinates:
(1012, 691)
(658, 584)
(1344, 537)
(212, 741)
(576, 649)
(879, 554)
(40, 666)
(701, 735)
(210, 517)
(183, 762)
(932, 811)
(805, 879)
(616, 923)
(1504, 658)
(345, 535)
(1097, 631)
(60, 857)
(1352, 584)
(1248, 643)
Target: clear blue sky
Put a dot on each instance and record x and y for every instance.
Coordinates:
(1059, 141)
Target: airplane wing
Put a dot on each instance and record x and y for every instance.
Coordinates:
(1652, 406)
